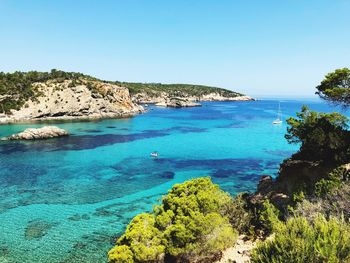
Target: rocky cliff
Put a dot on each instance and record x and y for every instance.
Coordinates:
(27, 96)
(72, 99)
(162, 97)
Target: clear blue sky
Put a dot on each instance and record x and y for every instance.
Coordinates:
(256, 47)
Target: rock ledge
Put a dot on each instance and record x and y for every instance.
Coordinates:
(45, 132)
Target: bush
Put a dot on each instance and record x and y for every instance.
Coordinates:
(240, 214)
(336, 203)
(327, 185)
(323, 136)
(299, 240)
(142, 238)
(120, 254)
(192, 222)
(269, 217)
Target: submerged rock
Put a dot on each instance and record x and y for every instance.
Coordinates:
(39, 133)
(37, 229)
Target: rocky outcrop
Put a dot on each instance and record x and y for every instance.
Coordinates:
(163, 96)
(294, 176)
(69, 100)
(177, 103)
(45, 132)
(219, 97)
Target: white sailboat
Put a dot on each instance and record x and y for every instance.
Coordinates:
(279, 115)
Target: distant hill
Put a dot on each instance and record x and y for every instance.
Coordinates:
(37, 95)
(176, 89)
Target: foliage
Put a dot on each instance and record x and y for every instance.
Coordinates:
(299, 240)
(269, 216)
(16, 88)
(240, 214)
(175, 90)
(336, 203)
(323, 136)
(327, 185)
(143, 238)
(298, 197)
(191, 222)
(336, 87)
(120, 254)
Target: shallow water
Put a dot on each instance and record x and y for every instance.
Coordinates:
(67, 199)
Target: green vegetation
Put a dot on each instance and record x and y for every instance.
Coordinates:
(175, 90)
(317, 228)
(191, 223)
(336, 87)
(309, 224)
(327, 185)
(17, 88)
(299, 241)
(269, 216)
(323, 136)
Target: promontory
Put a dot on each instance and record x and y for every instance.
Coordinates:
(30, 96)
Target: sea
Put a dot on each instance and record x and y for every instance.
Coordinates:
(68, 199)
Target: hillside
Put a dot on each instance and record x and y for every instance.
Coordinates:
(158, 92)
(57, 94)
(61, 95)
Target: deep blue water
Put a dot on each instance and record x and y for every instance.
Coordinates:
(66, 199)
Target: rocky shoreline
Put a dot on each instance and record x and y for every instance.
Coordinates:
(73, 96)
(65, 101)
(45, 132)
(162, 97)
(177, 103)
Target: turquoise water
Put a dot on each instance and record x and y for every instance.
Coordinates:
(67, 199)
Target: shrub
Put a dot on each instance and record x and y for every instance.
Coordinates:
(120, 254)
(192, 214)
(240, 214)
(269, 216)
(191, 222)
(334, 180)
(299, 240)
(336, 203)
(142, 238)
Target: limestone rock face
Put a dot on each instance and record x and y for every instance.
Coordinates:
(45, 132)
(160, 97)
(177, 103)
(67, 100)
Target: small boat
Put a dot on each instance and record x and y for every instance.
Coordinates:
(279, 115)
(154, 154)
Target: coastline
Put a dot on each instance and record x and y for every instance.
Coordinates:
(8, 119)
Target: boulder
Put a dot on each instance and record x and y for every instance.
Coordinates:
(45, 132)
(177, 103)
(265, 184)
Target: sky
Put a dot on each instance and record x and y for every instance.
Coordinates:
(260, 48)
